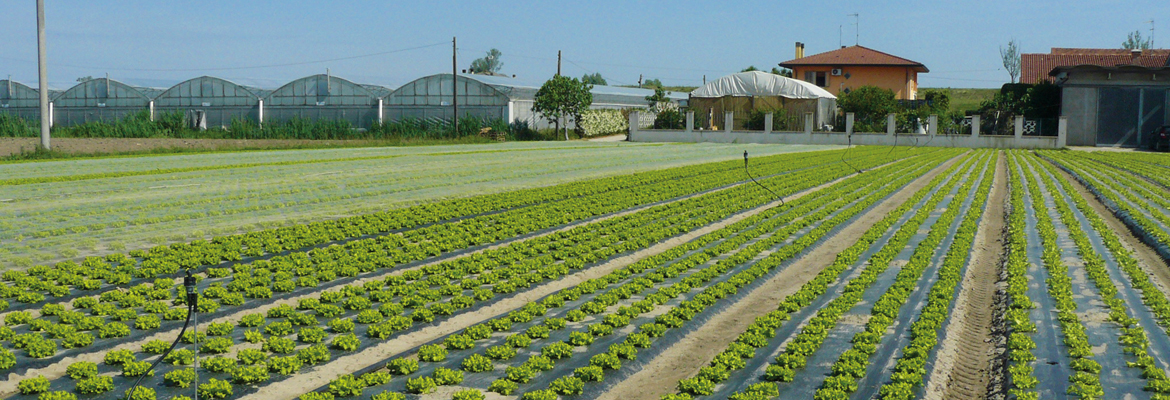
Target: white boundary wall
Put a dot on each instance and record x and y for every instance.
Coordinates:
(890, 138)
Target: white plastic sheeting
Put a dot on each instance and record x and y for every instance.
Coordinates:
(761, 84)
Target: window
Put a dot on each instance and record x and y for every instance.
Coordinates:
(819, 78)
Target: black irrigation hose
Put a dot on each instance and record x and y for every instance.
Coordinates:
(749, 174)
(192, 298)
(847, 148)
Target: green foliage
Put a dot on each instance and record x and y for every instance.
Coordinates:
(432, 353)
(347, 386)
(376, 378)
(39, 384)
(539, 395)
(501, 352)
(95, 385)
(218, 364)
(671, 118)
(82, 370)
(183, 377)
(314, 354)
(476, 363)
(469, 394)
(567, 385)
(562, 97)
(215, 389)
(346, 342)
(420, 385)
(388, 395)
(341, 325)
(594, 79)
(402, 366)
(63, 395)
(489, 63)
(317, 396)
(216, 345)
(590, 373)
(446, 376)
(136, 368)
(503, 386)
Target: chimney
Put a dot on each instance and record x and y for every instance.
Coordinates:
(1136, 53)
(799, 50)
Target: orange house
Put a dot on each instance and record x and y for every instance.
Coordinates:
(848, 68)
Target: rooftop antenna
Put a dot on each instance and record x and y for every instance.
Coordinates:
(1151, 33)
(840, 36)
(856, 28)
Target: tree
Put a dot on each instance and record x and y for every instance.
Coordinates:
(868, 103)
(490, 63)
(1011, 59)
(594, 79)
(750, 68)
(785, 72)
(86, 78)
(652, 83)
(562, 97)
(1135, 42)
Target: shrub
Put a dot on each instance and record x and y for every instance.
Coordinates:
(287, 365)
(402, 366)
(446, 376)
(420, 385)
(215, 389)
(476, 363)
(135, 368)
(469, 394)
(82, 370)
(432, 353)
(347, 386)
(95, 385)
(503, 386)
(40, 384)
(180, 377)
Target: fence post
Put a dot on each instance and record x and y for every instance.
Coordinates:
(690, 122)
(728, 121)
(1019, 127)
(891, 124)
(975, 125)
(768, 123)
(1062, 132)
(380, 110)
(635, 124)
(808, 123)
(152, 111)
(849, 123)
(260, 115)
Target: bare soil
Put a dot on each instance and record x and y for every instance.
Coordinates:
(963, 369)
(10, 145)
(694, 351)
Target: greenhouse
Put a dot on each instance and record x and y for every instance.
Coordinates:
(495, 97)
(100, 99)
(210, 102)
(323, 97)
(788, 99)
(20, 100)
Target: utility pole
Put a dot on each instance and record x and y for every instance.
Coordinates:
(455, 86)
(640, 80)
(558, 63)
(43, 94)
(1151, 34)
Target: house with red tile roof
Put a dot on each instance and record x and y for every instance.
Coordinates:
(847, 68)
(1034, 68)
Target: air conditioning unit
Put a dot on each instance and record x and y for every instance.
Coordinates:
(835, 72)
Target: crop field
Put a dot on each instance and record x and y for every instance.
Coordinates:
(579, 271)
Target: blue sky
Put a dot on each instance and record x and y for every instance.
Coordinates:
(159, 43)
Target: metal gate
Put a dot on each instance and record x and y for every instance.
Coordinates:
(1125, 115)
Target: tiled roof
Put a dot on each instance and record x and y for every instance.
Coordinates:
(855, 55)
(1034, 68)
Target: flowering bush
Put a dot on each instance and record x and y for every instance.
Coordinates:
(602, 122)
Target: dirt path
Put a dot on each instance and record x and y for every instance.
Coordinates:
(321, 376)
(963, 368)
(692, 352)
(1147, 258)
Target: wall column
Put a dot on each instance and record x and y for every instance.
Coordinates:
(849, 123)
(1019, 125)
(932, 120)
(768, 123)
(690, 122)
(892, 124)
(728, 121)
(808, 123)
(1062, 132)
(975, 125)
(634, 126)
